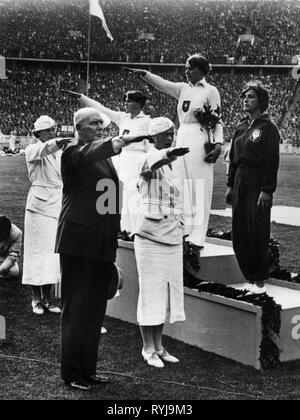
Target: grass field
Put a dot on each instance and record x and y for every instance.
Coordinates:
(14, 185)
(200, 375)
(287, 194)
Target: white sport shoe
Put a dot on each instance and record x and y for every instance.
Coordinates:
(152, 359)
(37, 308)
(103, 330)
(163, 354)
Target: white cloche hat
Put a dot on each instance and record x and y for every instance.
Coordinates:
(43, 123)
(159, 125)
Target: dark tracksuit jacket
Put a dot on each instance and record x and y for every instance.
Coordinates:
(254, 162)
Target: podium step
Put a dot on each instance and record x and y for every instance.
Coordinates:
(286, 298)
(227, 327)
(218, 263)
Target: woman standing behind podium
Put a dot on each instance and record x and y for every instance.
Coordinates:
(196, 167)
(132, 122)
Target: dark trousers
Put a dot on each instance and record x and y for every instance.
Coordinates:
(250, 229)
(85, 284)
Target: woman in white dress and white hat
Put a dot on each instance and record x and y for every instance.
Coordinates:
(41, 268)
(159, 243)
(196, 168)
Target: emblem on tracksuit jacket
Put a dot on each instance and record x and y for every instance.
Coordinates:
(126, 132)
(186, 106)
(256, 135)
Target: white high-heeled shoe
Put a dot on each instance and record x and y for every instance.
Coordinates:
(163, 354)
(152, 359)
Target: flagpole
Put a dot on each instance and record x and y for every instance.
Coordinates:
(88, 58)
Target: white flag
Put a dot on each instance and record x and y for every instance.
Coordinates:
(95, 10)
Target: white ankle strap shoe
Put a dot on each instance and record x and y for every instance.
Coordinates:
(37, 308)
(166, 357)
(152, 359)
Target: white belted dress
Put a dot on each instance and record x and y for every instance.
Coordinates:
(41, 265)
(196, 174)
(159, 242)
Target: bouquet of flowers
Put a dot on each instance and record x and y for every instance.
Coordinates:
(208, 118)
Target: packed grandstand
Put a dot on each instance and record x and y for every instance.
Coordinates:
(175, 28)
(233, 34)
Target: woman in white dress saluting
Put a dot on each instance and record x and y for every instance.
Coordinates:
(195, 169)
(41, 268)
(158, 243)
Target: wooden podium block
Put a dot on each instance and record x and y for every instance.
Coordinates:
(218, 263)
(220, 325)
(2, 328)
(287, 295)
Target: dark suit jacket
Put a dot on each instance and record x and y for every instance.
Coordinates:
(82, 230)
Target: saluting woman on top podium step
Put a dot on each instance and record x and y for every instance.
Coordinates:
(195, 167)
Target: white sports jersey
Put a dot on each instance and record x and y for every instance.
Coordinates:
(190, 98)
(194, 171)
(125, 122)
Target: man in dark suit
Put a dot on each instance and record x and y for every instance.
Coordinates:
(87, 242)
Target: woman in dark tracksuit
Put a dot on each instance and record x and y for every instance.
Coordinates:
(252, 180)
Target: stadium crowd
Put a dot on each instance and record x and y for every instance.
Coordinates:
(32, 90)
(152, 30)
